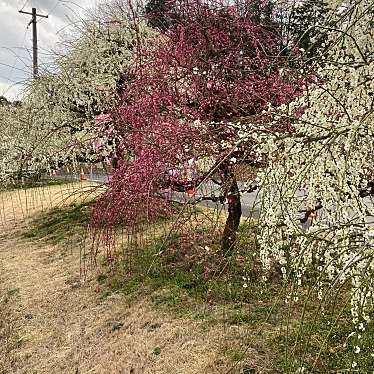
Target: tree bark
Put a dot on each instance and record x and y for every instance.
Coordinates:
(233, 219)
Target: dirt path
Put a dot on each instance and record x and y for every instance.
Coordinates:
(53, 322)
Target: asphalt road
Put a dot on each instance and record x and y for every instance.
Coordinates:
(250, 201)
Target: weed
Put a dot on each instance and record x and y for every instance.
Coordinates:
(101, 278)
(151, 326)
(157, 351)
(116, 326)
(326, 343)
(13, 291)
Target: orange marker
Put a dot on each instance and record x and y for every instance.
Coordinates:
(191, 192)
(82, 176)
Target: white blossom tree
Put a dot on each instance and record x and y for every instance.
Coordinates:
(56, 122)
(316, 191)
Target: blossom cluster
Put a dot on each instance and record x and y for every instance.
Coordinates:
(316, 206)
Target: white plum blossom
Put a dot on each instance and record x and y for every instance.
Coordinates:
(316, 205)
(55, 123)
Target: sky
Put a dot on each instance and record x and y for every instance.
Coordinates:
(16, 37)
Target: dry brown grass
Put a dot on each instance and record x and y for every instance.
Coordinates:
(8, 336)
(55, 322)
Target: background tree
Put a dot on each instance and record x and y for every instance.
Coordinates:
(157, 12)
(304, 24)
(4, 101)
(31, 139)
(56, 123)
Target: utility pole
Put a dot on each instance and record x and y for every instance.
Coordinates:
(33, 15)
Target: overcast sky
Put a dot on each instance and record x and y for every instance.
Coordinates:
(16, 37)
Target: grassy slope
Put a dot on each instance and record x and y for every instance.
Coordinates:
(195, 281)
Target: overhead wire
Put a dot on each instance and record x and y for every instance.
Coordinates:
(24, 5)
(16, 58)
(50, 12)
(13, 67)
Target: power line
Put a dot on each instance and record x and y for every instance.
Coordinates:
(22, 43)
(52, 9)
(25, 4)
(13, 67)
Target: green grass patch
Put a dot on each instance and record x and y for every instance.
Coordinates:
(325, 341)
(59, 224)
(13, 292)
(184, 276)
(29, 183)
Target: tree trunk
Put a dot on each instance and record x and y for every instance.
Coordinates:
(233, 219)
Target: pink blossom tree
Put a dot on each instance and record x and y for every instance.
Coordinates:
(210, 70)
